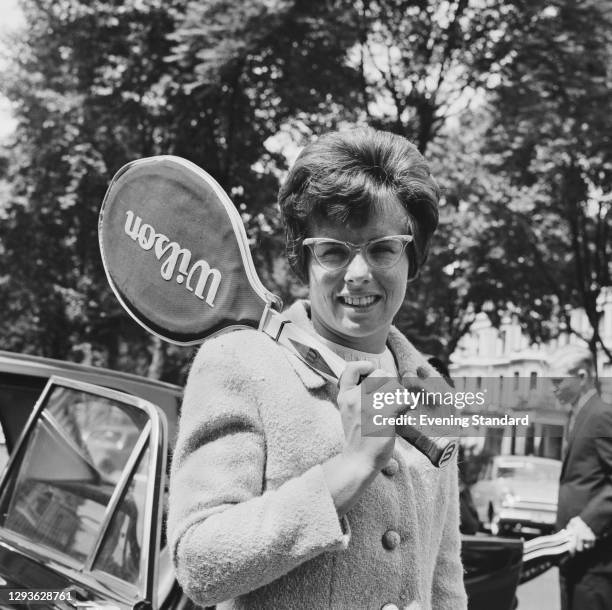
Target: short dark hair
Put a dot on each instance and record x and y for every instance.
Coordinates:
(343, 175)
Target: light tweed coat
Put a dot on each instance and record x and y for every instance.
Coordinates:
(251, 522)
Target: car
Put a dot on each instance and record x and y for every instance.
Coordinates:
(84, 493)
(62, 475)
(518, 495)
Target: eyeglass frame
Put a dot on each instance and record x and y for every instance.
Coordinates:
(355, 248)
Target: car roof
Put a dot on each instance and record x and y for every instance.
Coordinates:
(167, 396)
(38, 365)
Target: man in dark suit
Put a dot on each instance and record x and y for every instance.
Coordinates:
(585, 486)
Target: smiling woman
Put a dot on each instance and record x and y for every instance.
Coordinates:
(355, 304)
(360, 187)
(278, 499)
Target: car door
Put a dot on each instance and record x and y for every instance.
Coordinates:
(80, 514)
(492, 567)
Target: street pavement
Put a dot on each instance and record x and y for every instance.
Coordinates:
(541, 593)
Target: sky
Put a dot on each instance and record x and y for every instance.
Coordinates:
(11, 20)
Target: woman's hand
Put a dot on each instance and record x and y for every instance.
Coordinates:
(349, 473)
(373, 452)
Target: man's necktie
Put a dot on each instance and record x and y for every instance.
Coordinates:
(569, 428)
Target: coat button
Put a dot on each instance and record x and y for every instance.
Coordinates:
(391, 539)
(391, 468)
(389, 607)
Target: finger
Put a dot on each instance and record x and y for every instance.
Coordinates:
(352, 374)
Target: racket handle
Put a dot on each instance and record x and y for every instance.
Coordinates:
(438, 450)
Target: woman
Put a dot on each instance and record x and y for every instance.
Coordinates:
(277, 500)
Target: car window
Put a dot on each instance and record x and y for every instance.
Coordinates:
(63, 481)
(120, 552)
(18, 395)
(528, 471)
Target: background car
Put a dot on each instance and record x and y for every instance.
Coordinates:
(82, 510)
(518, 494)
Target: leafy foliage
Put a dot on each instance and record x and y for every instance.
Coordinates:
(558, 149)
(87, 87)
(422, 62)
(506, 99)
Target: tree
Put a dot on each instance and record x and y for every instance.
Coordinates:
(530, 232)
(87, 84)
(553, 141)
(422, 62)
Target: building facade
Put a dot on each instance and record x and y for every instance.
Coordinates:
(513, 372)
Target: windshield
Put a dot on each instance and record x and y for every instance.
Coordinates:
(528, 471)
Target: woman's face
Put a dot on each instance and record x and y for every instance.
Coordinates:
(338, 308)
